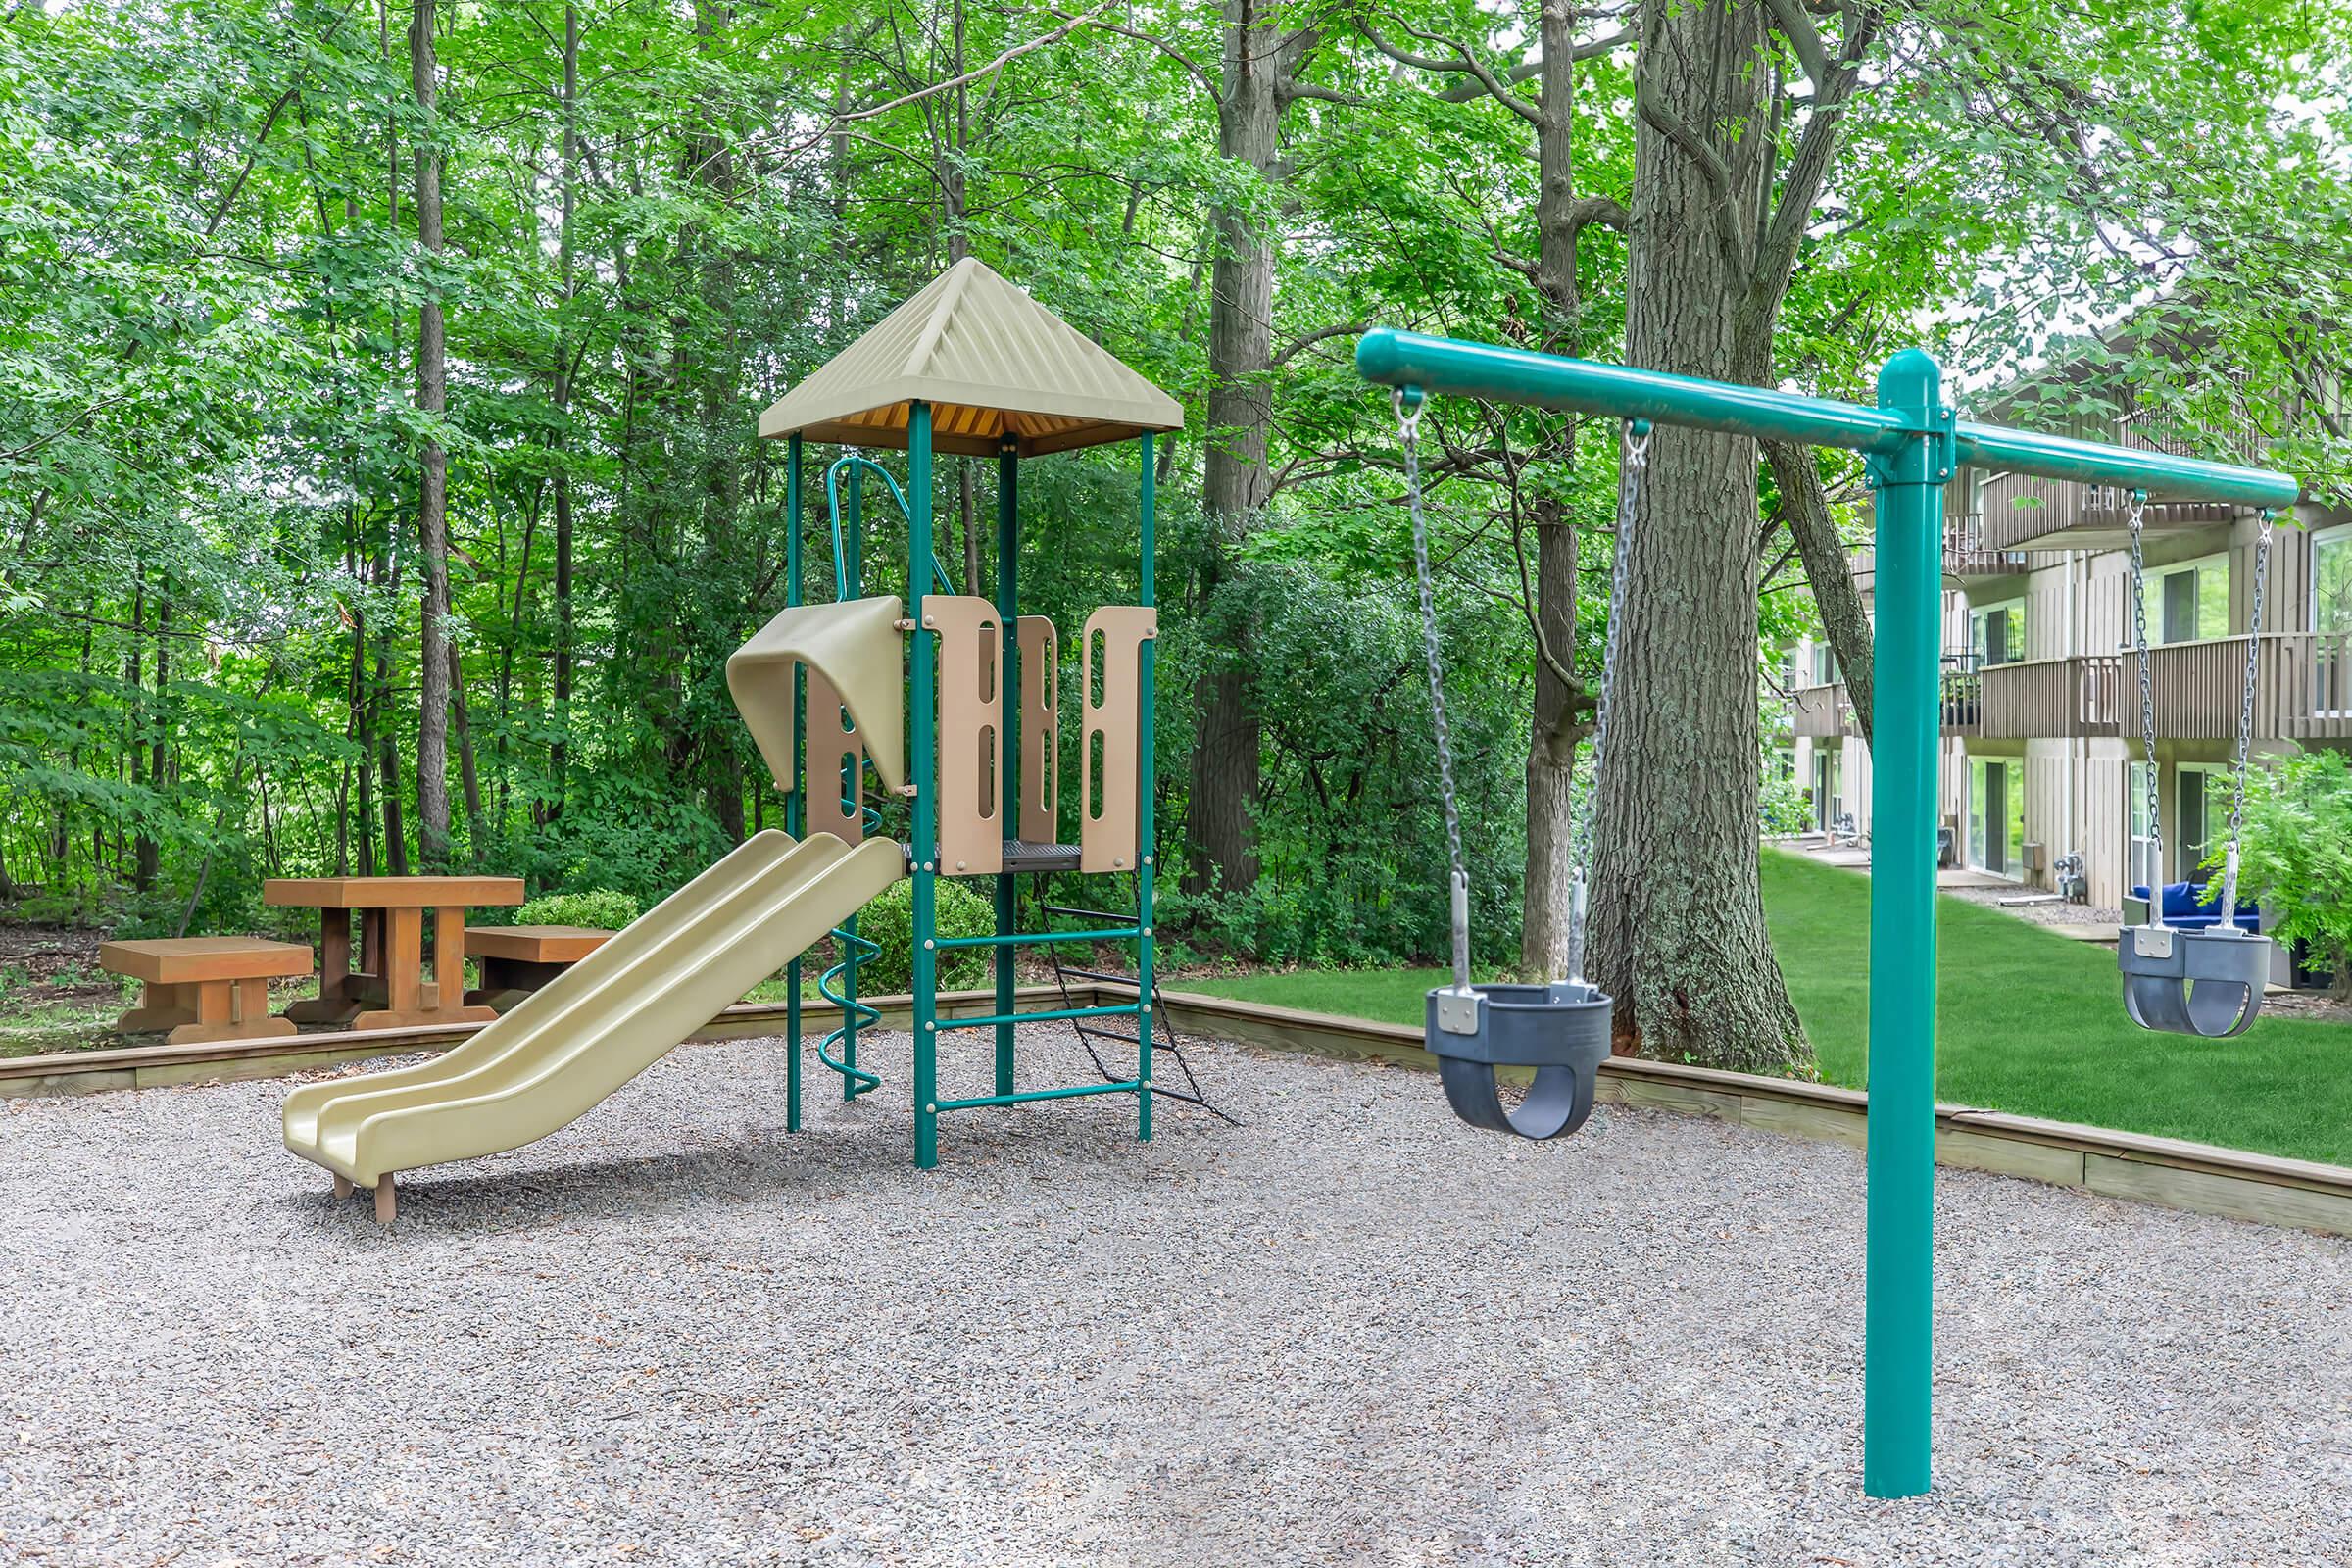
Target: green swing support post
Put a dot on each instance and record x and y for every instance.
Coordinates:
(923, 846)
(1911, 444)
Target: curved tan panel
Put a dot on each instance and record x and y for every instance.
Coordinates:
(1041, 732)
(836, 801)
(971, 732)
(1109, 816)
(602, 1022)
(857, 647)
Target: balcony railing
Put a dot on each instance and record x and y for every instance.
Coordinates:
(2039, 699)
(2020, 511)
(1964, 554)
(2302, 687)
(1820, 711)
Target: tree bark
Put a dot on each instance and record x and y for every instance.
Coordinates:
(559, 751)
(1805, 507)
(1678, 933)
(432, 480)
(1237, 481)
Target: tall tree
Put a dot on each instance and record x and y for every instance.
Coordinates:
(432, 468)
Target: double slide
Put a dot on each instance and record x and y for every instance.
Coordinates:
(600, 1023)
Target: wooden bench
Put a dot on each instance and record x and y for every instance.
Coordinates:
(206, 988)
(518, 959)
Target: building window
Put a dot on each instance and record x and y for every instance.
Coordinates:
(2202, 815)
(2331, 618)
(1997, 633)
(1996, 817)
(2142, 856)
(2331, 581)
(2191, 602)
(1825, 664)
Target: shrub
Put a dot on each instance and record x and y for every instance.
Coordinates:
(601, 908)
(2296, 857)
(889, 923)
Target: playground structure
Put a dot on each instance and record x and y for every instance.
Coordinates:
(1910, 444)
(950, 700)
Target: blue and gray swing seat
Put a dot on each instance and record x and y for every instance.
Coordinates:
(2190, 972)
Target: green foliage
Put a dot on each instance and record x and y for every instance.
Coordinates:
(210, 283)
(888, 922)
(2295, 859)
(600, 908)
(1780, 806)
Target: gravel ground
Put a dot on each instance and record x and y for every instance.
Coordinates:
(2059, 914)
(1349, 1331)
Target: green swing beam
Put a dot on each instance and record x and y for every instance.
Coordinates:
(1912, 444)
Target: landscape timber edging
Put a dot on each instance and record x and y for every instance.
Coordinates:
(159, 1065)
(2169, 1172)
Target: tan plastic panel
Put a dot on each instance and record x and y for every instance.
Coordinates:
(602, 1021)
(971, 732)
(857, 647)
(1041, 732)
(1107, 816)
(829, 810)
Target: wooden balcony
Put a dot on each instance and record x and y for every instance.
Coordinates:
(1820, 711)
(1962, 699)
(2302, 687)
(2045, 698)
(1966, 556)
(2021, 511)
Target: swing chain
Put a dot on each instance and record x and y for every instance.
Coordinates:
(1634, 464)
(2245, 720)
(1409, 429)
(2147, 705)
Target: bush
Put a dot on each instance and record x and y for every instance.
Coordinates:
(889, 923)
(602, 908)
(2297, 856)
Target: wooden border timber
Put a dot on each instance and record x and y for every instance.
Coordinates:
(155, 1066)
(2169, 1172)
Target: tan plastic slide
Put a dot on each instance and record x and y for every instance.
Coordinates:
(600, 1023)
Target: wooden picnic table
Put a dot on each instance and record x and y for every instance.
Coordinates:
(389, 990)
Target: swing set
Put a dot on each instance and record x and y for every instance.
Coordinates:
(1911, 443)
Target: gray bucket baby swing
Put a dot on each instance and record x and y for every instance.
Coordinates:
(1560, 1029)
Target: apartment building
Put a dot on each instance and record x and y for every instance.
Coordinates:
(2042, 755)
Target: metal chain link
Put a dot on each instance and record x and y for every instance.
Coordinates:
(2147, 706)
(2246, 721)
(1634, 465)
(1409, 429)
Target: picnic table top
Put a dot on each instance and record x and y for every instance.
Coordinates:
(535, 944)
(181, 961)
(391, 892)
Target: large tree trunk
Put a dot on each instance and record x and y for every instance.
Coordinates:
(1237, 483)
(559, 752)
(1679, 935)
(1805, 507)
(432, 480)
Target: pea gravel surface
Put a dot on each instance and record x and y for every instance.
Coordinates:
(1349, 1331)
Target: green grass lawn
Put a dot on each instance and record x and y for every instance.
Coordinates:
(2027, 1022)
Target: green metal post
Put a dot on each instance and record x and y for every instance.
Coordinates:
(1900, 1305)
(795, 803)
(925, 847)
(1008, 737)
(1142, 817)
(852, 575)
